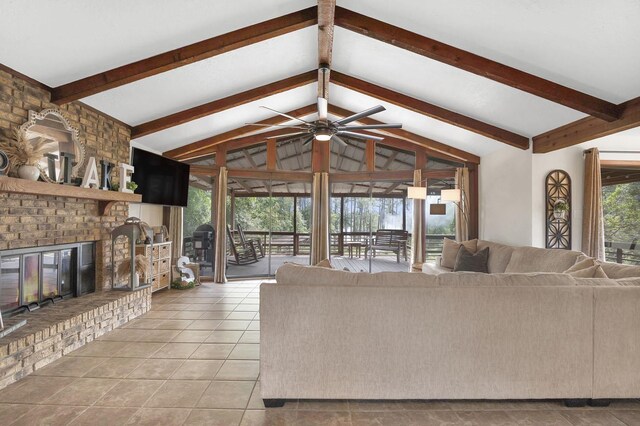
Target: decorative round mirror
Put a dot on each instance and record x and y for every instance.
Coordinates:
(51, 124)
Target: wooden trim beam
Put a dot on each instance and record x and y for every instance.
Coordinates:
(219, 105)
(370, 155)
(326, 13)
(184, 56)
(434, 148)
(204, 170)
(620, 164)
(320, 156)
(221, 156)
(430, 110)
(476, 64)
(587, 129)
(287, 176)
(379, 176)
(193, 149)
(272, 155)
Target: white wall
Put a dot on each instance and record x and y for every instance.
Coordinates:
(505, 196)
(150, 213)
(512, 193)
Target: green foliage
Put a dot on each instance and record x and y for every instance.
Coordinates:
(198, 210)
(263, 213)
(178, 284)
(621, 205)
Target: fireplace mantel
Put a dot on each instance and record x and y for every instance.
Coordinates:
(106, 199)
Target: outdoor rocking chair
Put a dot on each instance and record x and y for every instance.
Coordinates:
(255, 242)
(243, 253)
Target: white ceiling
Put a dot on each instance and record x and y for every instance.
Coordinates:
(60, 41)
(230, 119)
(416, 123)
(211, 79)
(590, 45)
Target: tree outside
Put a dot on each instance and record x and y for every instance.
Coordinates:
(198, 210)
(621, 205)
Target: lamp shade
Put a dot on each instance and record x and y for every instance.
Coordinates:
(437, 209)
(454, 195)
(417, 192)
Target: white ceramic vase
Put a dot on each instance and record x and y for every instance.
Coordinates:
(28, 172)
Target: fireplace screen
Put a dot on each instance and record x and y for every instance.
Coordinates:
(31, 277)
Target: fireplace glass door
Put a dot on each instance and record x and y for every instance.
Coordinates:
(30, 277)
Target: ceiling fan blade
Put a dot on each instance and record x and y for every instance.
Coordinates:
(284, 115)
(372, 126)
(360, 135)
(307, 140)
(287, 135)
(361, 114)
(323, 109)
(284, 126)
(340, 141)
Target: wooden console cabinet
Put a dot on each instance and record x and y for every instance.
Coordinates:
(161, 273)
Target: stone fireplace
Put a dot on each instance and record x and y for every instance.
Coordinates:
(47, 235)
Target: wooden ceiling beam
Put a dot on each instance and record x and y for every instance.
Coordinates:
(476, 64)
(326, 13)
(184, 56)
(587, 129)
(185, 152)
(434, 148)
(222, 104)
(430, 110)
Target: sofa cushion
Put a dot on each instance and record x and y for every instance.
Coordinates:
(474, 279)
(292, 274)
(594, 271)
(534, 259)
(450, 250)
(499, 255)
(325, 263)
(629, 282)
(472, 262)
(613, 270)
(434, 268)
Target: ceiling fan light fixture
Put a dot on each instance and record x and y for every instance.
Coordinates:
(323, 134)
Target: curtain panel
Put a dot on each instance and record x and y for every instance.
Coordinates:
(419, 231)
(220, 261)
(462, 212)
(320, 218)
(175, 232)
(593, 215)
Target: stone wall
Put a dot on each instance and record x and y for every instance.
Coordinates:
(29, 220)
(58, 329)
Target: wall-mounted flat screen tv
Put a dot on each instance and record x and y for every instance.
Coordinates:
(160, 180)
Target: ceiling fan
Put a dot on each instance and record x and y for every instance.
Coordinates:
(325, 130)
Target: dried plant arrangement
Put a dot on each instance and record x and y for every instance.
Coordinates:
(25, 152)
(141, 265)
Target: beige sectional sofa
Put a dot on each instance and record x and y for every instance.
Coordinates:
(332, 334)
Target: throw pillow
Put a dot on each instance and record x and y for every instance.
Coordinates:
(581, 264)
(450, 250)
(472, 262)
(326, 263)
(594, 271)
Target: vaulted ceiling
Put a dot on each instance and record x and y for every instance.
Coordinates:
(476, 76)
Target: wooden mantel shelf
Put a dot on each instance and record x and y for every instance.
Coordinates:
(106, 199)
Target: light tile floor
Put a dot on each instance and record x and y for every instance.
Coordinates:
(193, 360)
